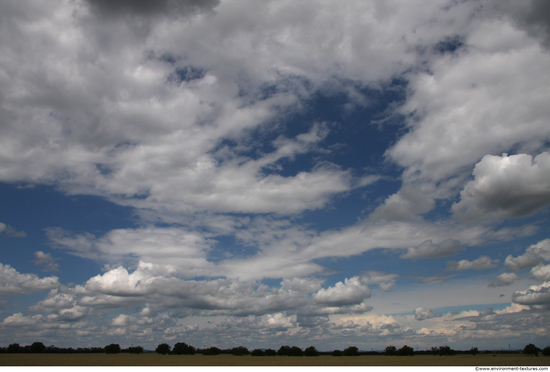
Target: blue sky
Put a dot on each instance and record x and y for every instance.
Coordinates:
(271, 173)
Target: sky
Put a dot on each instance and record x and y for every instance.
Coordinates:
(267, 173)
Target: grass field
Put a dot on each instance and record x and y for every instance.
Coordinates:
(151, 359)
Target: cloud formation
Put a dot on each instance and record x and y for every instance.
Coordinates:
(10, 231)
(13, 283)
(504, 279)
(537, 296)
(350, 292)
(201, 117)
(46, 261)
(383, 279)
(423, 313)
(534, 255)
(430, 250)
(506, 186)
(481, 263)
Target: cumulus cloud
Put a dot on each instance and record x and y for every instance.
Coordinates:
(541, 272)
(481, 263)
(304, 285)
(423, 313)
(160, 291)
(503, 279)
(430, 250)
(54, 302)
(533, 256)
(13, 283)
(161, 149)
(506, 186)
(10, 231)
(444, 143)
(176, 111)
(46, 261)
(537, 296)
(350, 292)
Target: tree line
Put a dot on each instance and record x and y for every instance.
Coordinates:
(181, 348)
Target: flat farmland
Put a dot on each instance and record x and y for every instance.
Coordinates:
(153, 359)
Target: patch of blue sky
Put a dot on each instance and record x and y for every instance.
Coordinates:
(34, 209)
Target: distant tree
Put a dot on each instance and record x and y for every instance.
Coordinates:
(474, 351)
(181, 348)
(38, 347)
(531, 350)
(240, 351)
(163, 349)
(284, 351)
(546, 351)
(406, 351)
(135, 349)
(14, 348)
(337, 353)
(258, 352)
(211, 351)
(112, 349)
(434, 350)
(296, 351)
(270, 352)
(311, 351)
(390, 350)
(446, 350)
(351, 351)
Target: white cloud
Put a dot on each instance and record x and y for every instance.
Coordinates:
(303, 285)
(13, 283)
(46, 260)
(99, 101)
(481, 263)
(466, 107)
(423, 313)
(541, 272)
(527, 259)
(506, 186)
(167, 249)
(405, 205)
(533, 256)
(10, 231)
(383, 279)
(351, 292)
(504, 279)
(430, 250)
(107, 117)
(54, 302)
(160, 291)
(536, 296)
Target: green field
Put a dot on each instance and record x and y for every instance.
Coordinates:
(153, 359)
